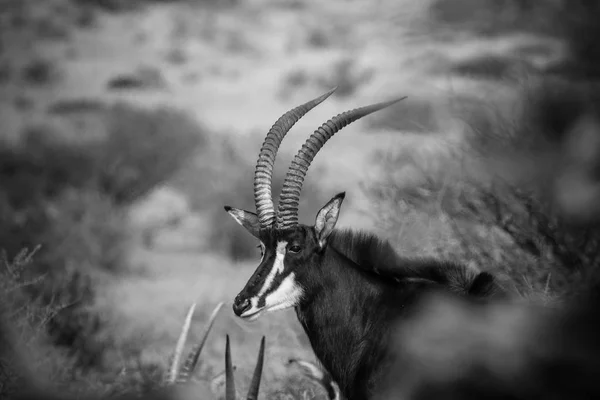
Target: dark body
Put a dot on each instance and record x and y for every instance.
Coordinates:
(351, 304)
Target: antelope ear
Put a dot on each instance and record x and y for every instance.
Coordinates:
(247, 219)
(327, 218)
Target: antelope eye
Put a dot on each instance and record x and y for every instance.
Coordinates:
(295, 249)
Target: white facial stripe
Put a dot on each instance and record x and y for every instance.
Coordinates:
(276, 269)
(287, 294)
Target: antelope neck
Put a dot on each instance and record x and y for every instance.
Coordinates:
(341, 315)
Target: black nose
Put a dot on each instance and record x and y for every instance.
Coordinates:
(240, 305)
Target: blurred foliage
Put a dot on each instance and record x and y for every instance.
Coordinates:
(126, 5)
(574, 21)
(33, 361)
(40, 71)
(144, 149)
(71, 196)
(492, 199)
(457, 350)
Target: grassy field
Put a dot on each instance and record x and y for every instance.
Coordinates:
(127, 126)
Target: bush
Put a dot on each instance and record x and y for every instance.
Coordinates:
(40, 71)
(129, 5)
(493, 201)
(493, 17)
(109, 5)
(143, 149)
(83, 237)
(29, 358)
(574, 22)
(456, 350)
(70, 196)
(139, 151)
(26, 351)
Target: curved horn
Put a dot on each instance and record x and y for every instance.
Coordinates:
(287, 213)
(255, 384)
(266, 159)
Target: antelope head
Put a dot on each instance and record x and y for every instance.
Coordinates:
(288, 250)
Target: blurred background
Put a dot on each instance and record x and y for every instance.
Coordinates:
(127, 125)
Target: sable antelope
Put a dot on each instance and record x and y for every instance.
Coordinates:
(347, 287)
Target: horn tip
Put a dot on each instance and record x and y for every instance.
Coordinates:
(322, 98)
(227, 208)
(333, 89)
(341, 196)
(396, 100)
(261, 350)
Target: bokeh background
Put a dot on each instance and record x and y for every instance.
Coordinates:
(127, 125)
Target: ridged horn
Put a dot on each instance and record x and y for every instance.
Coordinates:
(255, 383)
(287, 213)
(266, 159)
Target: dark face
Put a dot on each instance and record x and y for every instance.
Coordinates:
(287, 257)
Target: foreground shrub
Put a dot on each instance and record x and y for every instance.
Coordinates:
(82, 238)
(453, 350)
(26, 349)
(29, 357)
